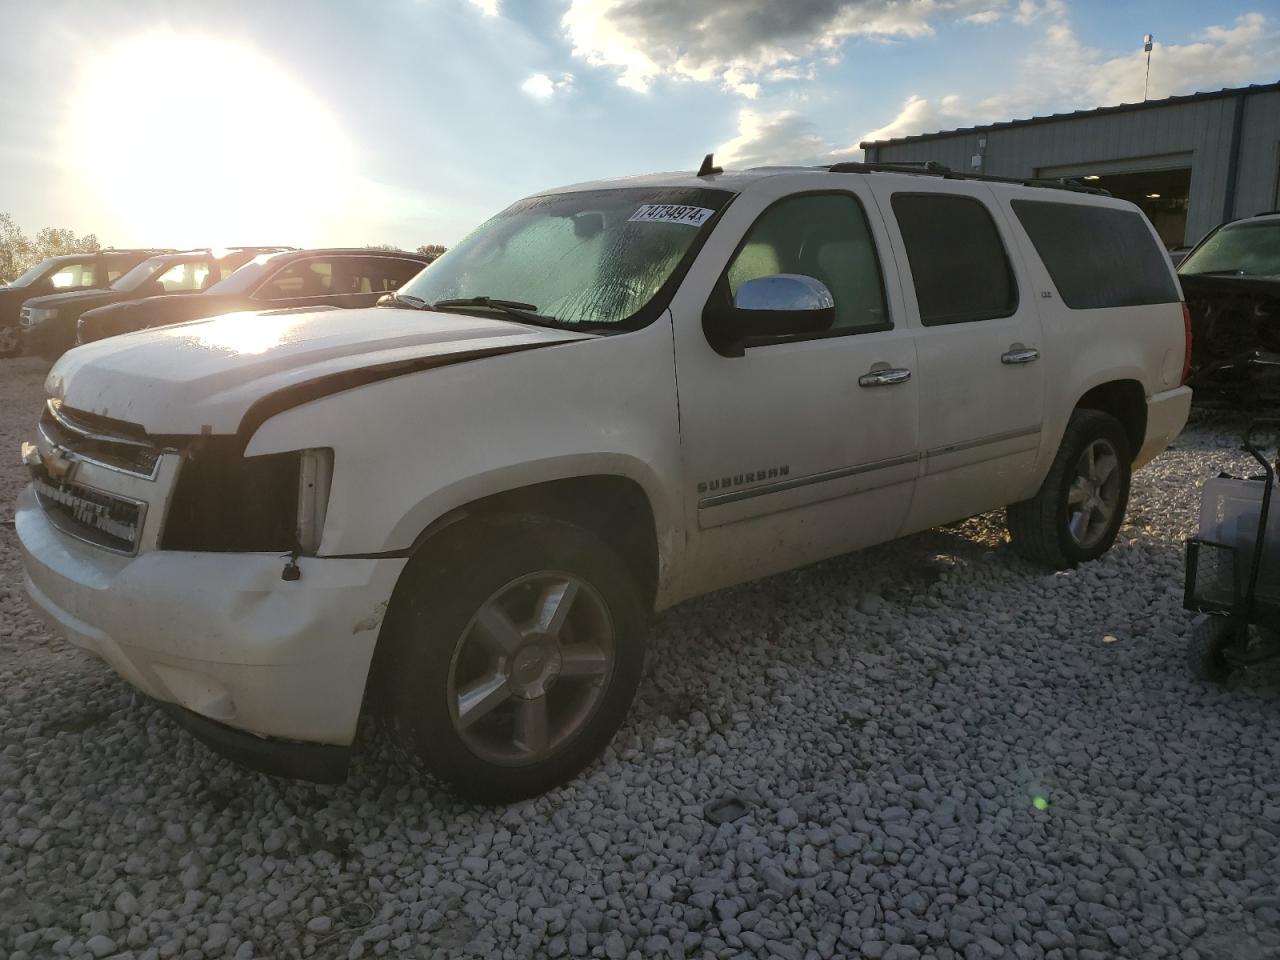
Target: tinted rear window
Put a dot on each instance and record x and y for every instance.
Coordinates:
(1098, 256)
(958, 264)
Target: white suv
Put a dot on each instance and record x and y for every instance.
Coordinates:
(607, 399)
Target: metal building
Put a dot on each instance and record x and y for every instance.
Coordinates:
(1190, 162)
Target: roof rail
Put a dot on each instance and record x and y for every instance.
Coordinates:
(935, 169)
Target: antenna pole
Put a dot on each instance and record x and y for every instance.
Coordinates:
(1146, 84)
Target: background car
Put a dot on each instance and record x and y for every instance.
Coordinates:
(48, 324)
(74, 271)
(300, 278)
(1231, 281)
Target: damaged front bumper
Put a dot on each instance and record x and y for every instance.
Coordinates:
(219, 635)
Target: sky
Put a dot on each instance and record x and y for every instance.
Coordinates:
(411, 121)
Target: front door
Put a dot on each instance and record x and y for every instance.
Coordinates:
(802, 447)
(978, 347)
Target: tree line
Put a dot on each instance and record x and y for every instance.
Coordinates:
(19, 252)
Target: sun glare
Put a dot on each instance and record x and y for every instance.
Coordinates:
(189, 140)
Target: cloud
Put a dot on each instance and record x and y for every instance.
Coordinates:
(543, 87)
(767, 139)
(1060, 73)
(734, 43)
(488, 7)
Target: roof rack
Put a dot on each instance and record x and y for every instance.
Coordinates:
(935, 169)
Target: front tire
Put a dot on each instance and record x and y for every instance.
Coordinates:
(1078, 511)
(518, 646)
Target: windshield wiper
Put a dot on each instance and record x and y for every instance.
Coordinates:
(526, 312)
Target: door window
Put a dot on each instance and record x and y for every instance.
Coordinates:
(958, 263)
(187, 277)
(374, 274)
(308, 278)
(824, 236)
(73, 276)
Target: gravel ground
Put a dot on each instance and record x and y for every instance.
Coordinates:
(942, 750)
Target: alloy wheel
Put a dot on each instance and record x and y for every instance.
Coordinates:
(1094, 495)
(531, 668)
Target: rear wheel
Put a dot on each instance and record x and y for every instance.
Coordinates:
(1080, 506)
(518, 650)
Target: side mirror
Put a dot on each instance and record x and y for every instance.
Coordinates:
(782, 305)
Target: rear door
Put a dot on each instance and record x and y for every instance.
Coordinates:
(978, 347)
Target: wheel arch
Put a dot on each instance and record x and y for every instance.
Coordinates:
(1124, 399)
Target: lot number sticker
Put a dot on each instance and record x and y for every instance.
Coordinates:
(671, 213)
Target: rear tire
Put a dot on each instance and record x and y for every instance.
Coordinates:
(1078, 511)
(518, 646)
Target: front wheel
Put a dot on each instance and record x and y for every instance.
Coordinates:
(1077, 513)
(518, 647)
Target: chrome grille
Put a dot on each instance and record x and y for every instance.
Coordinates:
(111, 443)
(100, 518)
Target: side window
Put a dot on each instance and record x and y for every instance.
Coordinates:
(1097, 256)
(823, 236)
(186, 277)
(374, 274)
(307, 278)
(958, 263)
(73, 276)
(113, 268)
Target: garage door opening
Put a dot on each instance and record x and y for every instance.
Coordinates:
(1162, 194)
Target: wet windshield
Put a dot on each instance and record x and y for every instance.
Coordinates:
(140, 274)
(1244, 249)
(593, 257)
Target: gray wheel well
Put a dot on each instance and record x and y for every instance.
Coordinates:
(1127, 402)
(615, 508)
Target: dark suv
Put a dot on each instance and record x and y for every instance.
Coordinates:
(72, 271)
(49, 323)
(297, 279)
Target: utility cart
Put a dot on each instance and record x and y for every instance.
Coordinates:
(1233, 569)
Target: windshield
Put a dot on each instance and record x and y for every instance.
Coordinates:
(1247, 249)
(31, 275)
(246, 278)
(139, 274)
(595, 257)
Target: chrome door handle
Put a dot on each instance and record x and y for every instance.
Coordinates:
(1020, 354)
(884, 378)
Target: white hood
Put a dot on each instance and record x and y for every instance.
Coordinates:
(203, 376)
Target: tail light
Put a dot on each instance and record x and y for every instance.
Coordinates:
(1186, 354)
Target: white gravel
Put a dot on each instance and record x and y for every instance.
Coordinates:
(894, 720)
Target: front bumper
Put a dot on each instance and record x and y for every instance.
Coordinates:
(47, 337)
(1167, 414)
(217, 634)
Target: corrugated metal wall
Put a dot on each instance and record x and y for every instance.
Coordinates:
(1201, 128)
